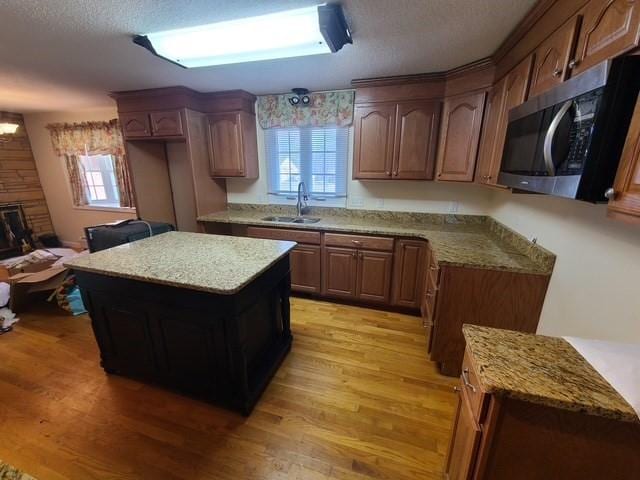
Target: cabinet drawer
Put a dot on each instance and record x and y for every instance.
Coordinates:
(471, 386)
(311, 238)
(166, 124)
(358, 241)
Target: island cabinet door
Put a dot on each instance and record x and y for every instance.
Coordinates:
(464, 442)
(340, 272)
(374, 276)
(305, 268)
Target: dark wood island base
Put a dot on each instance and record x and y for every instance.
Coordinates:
(221, 348)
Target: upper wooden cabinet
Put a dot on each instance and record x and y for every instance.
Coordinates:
(551, 58)
(166, 124)
(625, 204)
(415, 140)
(459, 137)
(395, 140)
(233, 150)
(488, 155)
(141, 125)
(508, 93)
(374, 140)
(135, 125)
(609, 28)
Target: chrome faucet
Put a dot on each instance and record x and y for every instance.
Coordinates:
(303, 196)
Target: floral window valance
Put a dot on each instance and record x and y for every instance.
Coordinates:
(93, 138)
(325, 109)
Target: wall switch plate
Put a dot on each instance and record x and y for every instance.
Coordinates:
(356, 202)
(453, 207)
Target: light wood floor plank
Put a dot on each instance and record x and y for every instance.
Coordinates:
(355, 399)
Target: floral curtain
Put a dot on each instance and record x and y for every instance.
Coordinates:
(325, 109)
(91, 138)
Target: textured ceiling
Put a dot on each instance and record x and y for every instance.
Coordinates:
(68, 54)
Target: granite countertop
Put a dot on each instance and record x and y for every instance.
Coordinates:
(543, 370)
(459, 240)
(209, 263)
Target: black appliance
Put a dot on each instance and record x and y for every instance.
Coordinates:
(101, 237)
(567, 142)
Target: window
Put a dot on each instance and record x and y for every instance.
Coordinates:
(102, 188)
(315, 155)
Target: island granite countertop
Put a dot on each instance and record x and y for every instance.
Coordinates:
(543, 370)
(458, 240)
(209, 263)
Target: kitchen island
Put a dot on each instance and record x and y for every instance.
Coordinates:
(207, 315)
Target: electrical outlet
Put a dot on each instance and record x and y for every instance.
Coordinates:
(356, 201)
(453, 207)
(379, 202)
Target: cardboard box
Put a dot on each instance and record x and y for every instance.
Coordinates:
(24, 284)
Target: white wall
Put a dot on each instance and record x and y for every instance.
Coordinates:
(414, 196)
(595, 287)
(68, 221)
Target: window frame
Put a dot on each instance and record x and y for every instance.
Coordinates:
(306, 174)
(112, 193)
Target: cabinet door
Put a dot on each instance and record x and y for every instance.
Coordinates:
(459, 137)
(626, 202)
(515, 93)
(135, 125)
(305, 268)
(226, 153)
(408, 273)
(374, 276)
(609, 28)
(552, 57)
(374, 136)
(416, 140)
(340, 272)
(166, 124)
(464, 442)
(488, 143)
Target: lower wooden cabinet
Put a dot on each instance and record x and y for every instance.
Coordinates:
(340, 272)
(357, 274)
(306, 265)
(465, 439)
(374, 276)
(408, 273)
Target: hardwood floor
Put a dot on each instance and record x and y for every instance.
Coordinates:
(355, 399)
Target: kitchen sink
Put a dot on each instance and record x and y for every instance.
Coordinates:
(291, 219)
(306, 220)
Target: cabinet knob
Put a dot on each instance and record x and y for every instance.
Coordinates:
(456, 389)
(610, 194)
(557, 72)
(387, 173)
(574, 63)
(395, 173)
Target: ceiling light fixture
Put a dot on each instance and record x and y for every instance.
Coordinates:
(293, 33)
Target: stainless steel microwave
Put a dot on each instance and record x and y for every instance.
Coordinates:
(568, 141)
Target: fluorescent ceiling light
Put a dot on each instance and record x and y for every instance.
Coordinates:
(8, 128)
(293, 33)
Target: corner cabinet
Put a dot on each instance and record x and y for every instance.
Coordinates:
(459, 138)
(233, 150)
(408, 273)
(395, 140)
(609, 28)
(625, 204)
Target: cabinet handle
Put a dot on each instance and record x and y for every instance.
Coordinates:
(433, 268)
(610, 194)
(465, 379)
(456, 389)
(354, 254)
(430, 294)
(356, 242)
(574, 63)
(557, 72)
